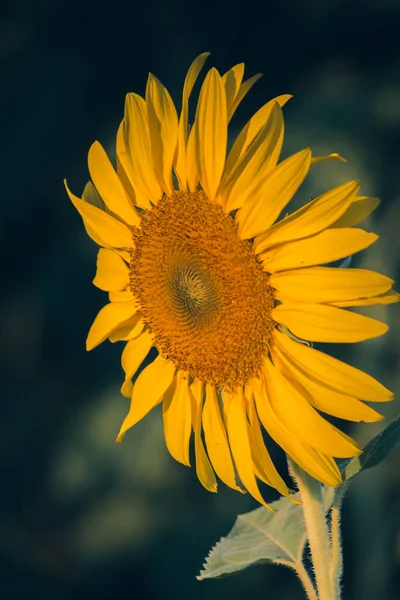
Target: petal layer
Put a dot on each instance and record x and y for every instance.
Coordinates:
(177, 417)
(310, 219)
(317, 464)
(358, 211)
(328, 284)
(109, 185)
(325, 247)
(163, 131)
(107, 320)
(325, 399)
(240, 444)
(204, 469)
(390, 297)
(138, 150)
(211, 118)
(149, 388)
(264, 467)
(181, 149)
(253, 165)
(216, 439)
(132, 357)
(331, 372)
(322, 323)
(295, 412)
(112, 273)
(107, 230)
(250, 131)
(276, 190)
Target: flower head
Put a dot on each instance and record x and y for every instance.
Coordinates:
(198, 264)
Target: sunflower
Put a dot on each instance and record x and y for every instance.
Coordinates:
(199, 266)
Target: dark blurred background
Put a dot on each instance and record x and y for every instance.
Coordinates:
(81, 516)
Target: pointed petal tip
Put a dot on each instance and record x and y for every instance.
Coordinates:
(89, 345)
(339, 157)
(332, 156)
(214, 72)
(67, 187)
(384, 328)
(378, 417)
(307, 154)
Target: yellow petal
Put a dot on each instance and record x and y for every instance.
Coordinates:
(328, 284)
(112, 273)
(323, 398)
(358, 211)
(148, 391)
(265, 469)
(211, 118)
(253, 165)
(138, 152)
(317, 464)
(333, 156)
(180, 156)
(232, 80)
(276, 190)
(124, 295)
(107, 320)
(310, 219)
(109, 185)
(163, 129)
(134, 353)
(91, 195)
(243, 91)
(105, 228)
(295, 412)
(193, 157)
(129, 330)
(240, 444)
(389, 298)
(216, 439)
(324, 247)
(250, 131)
(125, 255)
(204, 470)
(331, 372)
(177, 417)
(123, 170)
(322, 323)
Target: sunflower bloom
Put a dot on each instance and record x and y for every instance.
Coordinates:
(199, 266)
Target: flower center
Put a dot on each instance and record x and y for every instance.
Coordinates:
(203, 295)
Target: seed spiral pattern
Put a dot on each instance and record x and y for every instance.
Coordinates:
(204, 297)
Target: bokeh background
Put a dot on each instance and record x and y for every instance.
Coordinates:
(81, 516)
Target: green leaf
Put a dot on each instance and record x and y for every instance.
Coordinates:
(375, 451)
(259, 536)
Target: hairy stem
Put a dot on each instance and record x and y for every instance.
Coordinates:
(336, 568)
(306, 581)
(317, 529)
(302, 574)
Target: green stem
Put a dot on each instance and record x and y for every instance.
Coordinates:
(302, 574)
(336, 569)
(306, 581)
(317, 529)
